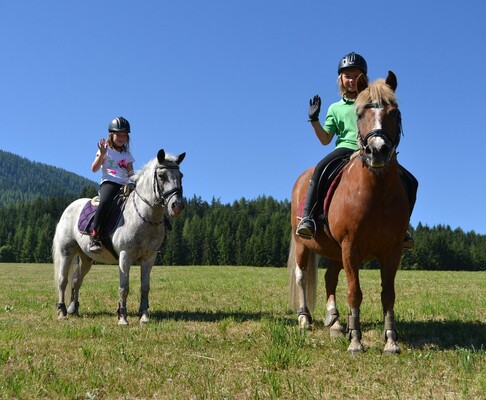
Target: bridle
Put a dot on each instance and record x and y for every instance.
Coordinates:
(162, 198)
(381, 133)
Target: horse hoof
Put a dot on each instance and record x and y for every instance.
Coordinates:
(62, 317)
(391, 348)
(355, 347)
(304, 323)
(73, 308)
(122, 322)
(336, 330)
(144, 319)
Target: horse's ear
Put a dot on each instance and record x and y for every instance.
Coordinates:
(361, 83)
(391, 80)
(161, 156)
(180, 157)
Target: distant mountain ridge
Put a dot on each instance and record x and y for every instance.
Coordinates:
(22, 180)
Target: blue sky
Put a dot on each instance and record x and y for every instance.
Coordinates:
(229, 82)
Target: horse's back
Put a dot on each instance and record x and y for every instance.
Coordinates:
(67, 225)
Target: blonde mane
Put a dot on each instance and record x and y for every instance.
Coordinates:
(377, 92)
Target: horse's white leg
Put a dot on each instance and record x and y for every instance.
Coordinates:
(123, 290)
(64, 260)
(84, 266)
(145, 270)
(304, 315)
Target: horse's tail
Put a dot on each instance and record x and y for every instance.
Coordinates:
(311, 278)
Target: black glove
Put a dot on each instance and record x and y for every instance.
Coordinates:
(314, 108)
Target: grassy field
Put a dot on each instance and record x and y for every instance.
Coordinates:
(226, 333)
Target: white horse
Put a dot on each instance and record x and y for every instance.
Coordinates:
(139, 233)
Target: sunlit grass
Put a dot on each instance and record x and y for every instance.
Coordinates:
(226, 333)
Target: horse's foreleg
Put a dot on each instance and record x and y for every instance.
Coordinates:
(388, 303)
(354, 331)
(304, 315)
(124, 288)
(355, 297)
(145, 270)
(332, 313)
(390, 333)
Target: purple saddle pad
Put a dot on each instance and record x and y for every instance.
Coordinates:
(87, 213)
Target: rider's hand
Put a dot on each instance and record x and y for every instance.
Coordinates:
(314, 108)
(102, 147)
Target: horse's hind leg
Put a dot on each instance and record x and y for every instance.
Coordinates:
(84, 265)
(303, 264)
(62, 263)
(332, 313)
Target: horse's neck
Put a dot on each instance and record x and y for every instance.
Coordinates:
(142, 202)
(384, 179)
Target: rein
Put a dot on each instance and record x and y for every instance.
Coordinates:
(382, 134)
(161, 198)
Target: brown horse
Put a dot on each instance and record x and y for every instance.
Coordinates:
(368, 217)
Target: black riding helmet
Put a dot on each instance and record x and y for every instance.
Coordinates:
(119, 124)
(353, 60)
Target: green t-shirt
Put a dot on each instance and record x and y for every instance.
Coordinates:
(341, 121)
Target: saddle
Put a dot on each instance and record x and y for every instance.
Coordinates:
(85, 220)
(328, 182)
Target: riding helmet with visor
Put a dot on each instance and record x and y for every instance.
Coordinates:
(353, 60)
(119, 124)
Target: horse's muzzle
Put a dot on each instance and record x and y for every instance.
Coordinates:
(378, 149)
(176, 206)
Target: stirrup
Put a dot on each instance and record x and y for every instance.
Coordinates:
(94, 244)
(306, 228)
(408, 242)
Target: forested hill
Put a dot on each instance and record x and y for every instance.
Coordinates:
(22, 180)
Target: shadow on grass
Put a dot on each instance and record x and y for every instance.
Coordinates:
(438, 335)
(209, 316)
(194, 316)
(442, 335)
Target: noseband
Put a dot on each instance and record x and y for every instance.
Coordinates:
(381, 134)
(164, 197)
(161, 197)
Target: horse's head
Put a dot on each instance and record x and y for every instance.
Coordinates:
(168, 182)
(379, 120)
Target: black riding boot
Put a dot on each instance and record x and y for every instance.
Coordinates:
(411, 185)
(307, 225)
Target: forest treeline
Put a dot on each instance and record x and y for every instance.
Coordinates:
(22, 180)
(246, 232)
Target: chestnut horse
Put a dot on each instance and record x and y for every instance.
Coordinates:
(367, 219)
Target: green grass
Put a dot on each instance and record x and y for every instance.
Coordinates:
(226, 333)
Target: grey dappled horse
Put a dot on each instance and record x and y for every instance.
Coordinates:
(139, 234)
